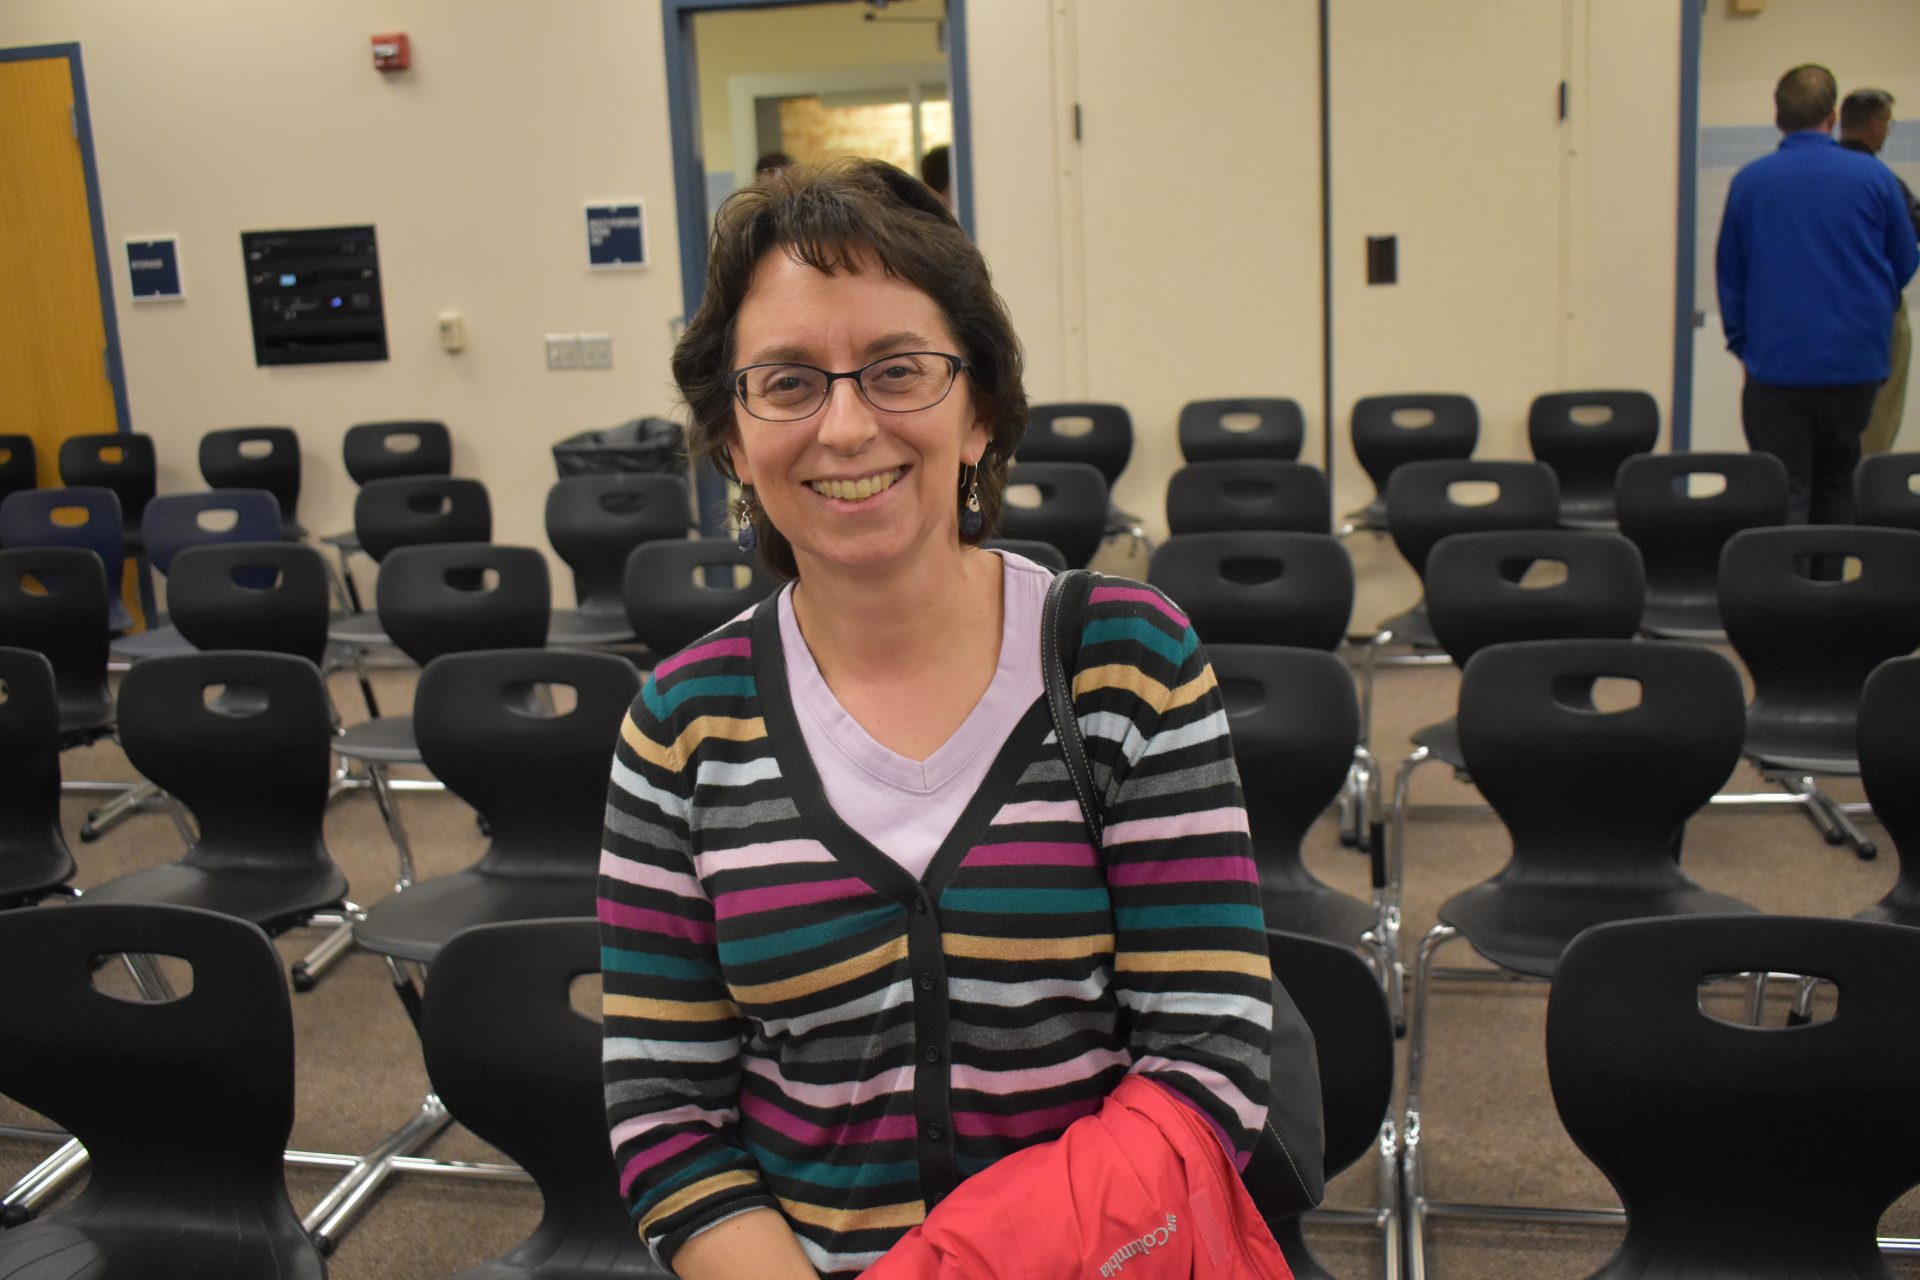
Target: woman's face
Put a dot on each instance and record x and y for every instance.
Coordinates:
(811, 475)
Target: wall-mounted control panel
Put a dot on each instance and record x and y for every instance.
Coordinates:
(315, 295)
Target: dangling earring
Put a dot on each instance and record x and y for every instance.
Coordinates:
(749, 536)
(971, 520)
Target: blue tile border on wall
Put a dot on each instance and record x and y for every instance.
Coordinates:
(1729, 146)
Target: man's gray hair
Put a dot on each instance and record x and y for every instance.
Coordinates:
(1863, 107)
(1804, 98)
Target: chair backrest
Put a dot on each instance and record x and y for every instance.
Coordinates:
(670, 602)
(1809, 645)
(1480, 588)
(254, 458)
(435, 599)
(1585, 436)
(122, 461)
(1249, 493)
(386, 450)
(407, 511)
(47, 518)
(518, 1066)
(1343, 1004)
(1243, 427)
(1884, 493)
(1423, 505)
(33, 851)
(176, 521)
(1889, 753)
(1535, 738)
(1072, 514)
(1100, 435)
(1412, 427)
(484, 732)
(243, 739)
(1293, 715)
(1259, 588)
(185, 1105)
(270, 596)
(1680, 535)
(1041, 553)
(19, 464)
(1772, 1151)
(595, 521)
(53, 600)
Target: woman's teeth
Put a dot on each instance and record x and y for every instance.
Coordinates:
(854, 490)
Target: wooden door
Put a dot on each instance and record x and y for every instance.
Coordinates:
(54, 363)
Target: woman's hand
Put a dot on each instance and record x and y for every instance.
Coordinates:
(756, 1245)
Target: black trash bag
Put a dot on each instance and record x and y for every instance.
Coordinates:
(645, 444)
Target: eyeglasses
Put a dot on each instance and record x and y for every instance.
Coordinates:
(903, 383)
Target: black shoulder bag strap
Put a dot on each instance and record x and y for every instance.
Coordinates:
(1282, 1187)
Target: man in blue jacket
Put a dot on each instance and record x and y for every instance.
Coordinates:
(1814, 250)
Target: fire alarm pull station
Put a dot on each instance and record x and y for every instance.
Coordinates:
(391, 53)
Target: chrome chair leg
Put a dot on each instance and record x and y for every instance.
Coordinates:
(1412, 1174)
(390, 814)
(329, 1220)
(42, 1183)
(310, 968)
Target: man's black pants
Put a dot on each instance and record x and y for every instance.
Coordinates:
(1816, 432)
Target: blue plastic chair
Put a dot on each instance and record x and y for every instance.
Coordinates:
(27, 520)
(177, 521)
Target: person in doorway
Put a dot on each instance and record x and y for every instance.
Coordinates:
(859, 942)
(936, 170)
(1814, 249)
(771, 162)
(1866, 117)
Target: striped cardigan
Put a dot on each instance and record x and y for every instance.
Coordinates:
(793, 1021)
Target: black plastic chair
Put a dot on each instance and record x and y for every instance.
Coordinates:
(671, 599)
(1810, 646)
(1100, 435)
(19, 464)
(387, 451)
(1585, 436)
(122, 461)
(433, 600)
(257, 458)
(1883, 491)
(594, 522)
(1242, 427)
(34, 858)
(53, 600)
(1745, 1150)
(1072, 514)
(1424, 509)
(1248, 493)
(177, 521)
(270, 596)
(242, 740)
(1680, 535)
(28, 519)
(1890, 770)
(1353, 1040)
(1041, 553)
(184, 1105)
(1295, 722)
(537, 781)
(1388, 431)
(1535, 739)
(519, 1067)
(1259, 588)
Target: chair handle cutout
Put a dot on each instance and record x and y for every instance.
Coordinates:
(142, 978)
(1473, 493)
(1252, 571)
(1411, 419)
(1771, 1001)
(1597, 695)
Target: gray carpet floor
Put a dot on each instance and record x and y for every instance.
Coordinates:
(1491, 1132)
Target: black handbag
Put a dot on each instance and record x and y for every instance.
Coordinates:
(1286, 1175)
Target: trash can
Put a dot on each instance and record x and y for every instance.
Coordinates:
(645, 444)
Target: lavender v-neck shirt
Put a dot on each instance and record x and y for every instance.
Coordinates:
(903, 807)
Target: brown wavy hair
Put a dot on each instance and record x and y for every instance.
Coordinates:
(829, 216)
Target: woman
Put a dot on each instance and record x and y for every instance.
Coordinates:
(858, 943)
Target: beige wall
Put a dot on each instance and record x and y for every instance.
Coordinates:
(1863, 42)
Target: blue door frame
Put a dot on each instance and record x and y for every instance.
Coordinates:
(1683, 258)
(102, 264)
(690, 175)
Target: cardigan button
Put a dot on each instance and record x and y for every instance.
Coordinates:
(935, 1132)
(926, 982)
(932, 1054)
(920, 905)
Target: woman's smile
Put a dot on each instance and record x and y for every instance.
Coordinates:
(857, 492)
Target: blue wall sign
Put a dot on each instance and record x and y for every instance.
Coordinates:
(616, 236)
(153, 267)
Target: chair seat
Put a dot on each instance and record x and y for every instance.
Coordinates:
(1525, 928)
(1412, 627)
(1588, 512)
(1898, 907)
(589, 627)
(362, 630)
(273, 899)
(84, 718)
(106, 1243)
(385, 740)
(1684, 618)
(1771, 753)
(348, 542)
(1318, 911)
(1442, 741)
(163, 641)
(416, 923)
(1373, 516)
(292, 530)
(28, 875)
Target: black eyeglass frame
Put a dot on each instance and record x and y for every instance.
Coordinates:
(739, 378)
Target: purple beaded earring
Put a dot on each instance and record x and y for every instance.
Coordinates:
(749, 536)
(971, 519)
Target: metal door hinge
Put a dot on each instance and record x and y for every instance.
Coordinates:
(1076, 122)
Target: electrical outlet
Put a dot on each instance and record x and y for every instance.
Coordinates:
(563, 351)
(596, 351)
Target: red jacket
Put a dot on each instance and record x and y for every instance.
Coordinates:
(1140, 1190)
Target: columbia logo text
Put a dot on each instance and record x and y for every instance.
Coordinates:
(1155, 1239)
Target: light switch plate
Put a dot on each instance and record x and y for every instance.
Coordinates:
(596, 351)
(563, 351)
